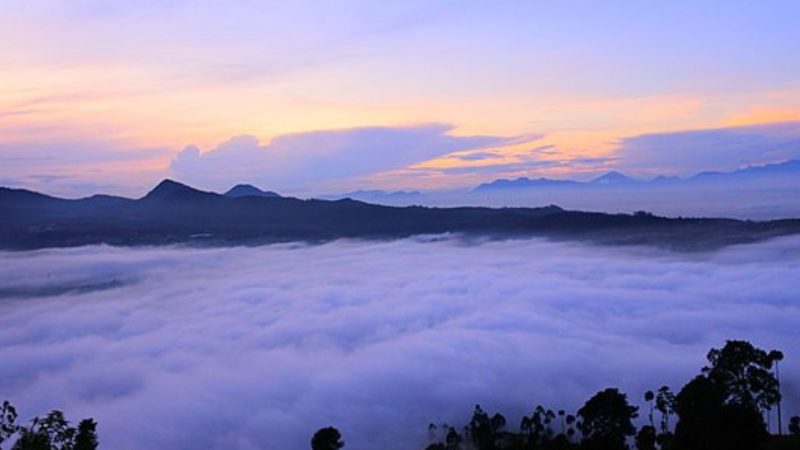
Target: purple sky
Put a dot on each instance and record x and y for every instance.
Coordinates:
(114, 95)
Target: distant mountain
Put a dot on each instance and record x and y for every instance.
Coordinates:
(379, 196)
(172, 190)
(524, 183)
(791, 167)
(663, 179)
(609, 179)
(27, 203)
(22, 198)
(613, 178)
(248, 190)
(178, 197)
(174, 213)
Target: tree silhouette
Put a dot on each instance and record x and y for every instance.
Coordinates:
(538, 427)
(646, 438)
(698, 406)
(744, 373)
(648, 397)
(433, 431)
(480, 429)
(483, 429)
(452, 439)
(57, 428)
(665, 404)
(606, 420)
(86, 438)
(707, 422)
(327, 438)
(720, 409)
(30, 439)
(743, 428)
(49, 433)
(8, 417)
(794, 425)
(436, 446)
(570, 427)
(777, 356)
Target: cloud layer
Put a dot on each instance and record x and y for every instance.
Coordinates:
(686, 152)
(295, 159)
(253, 348)
(81, 167)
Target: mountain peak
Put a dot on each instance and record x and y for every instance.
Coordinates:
(613, 177)
(523, 183)
(666, 179)
(168, 188)
(248, 190)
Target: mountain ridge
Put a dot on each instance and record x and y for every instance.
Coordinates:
(175, 213)
(616, 178)
(248, 190)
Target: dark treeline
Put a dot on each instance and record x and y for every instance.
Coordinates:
(173, 213)
(722, 408)
(51, 432)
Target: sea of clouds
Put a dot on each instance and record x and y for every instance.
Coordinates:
(256, 348)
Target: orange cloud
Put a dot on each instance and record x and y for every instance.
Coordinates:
(764, 115)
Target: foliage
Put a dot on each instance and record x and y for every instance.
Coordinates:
(86, 439)
(539, 425)
(646, 438)
(327, 438)
(744, 374)
(607, 420)
(794, 425)
(483, 430)
(8, 415)
(720, 409)
(52, 432)
(665, 404)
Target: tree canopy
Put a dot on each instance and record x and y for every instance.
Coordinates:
(719, 409)
(327, 438)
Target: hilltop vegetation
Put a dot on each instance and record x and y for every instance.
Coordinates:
(722, 408)
(174, 213)
(51, 432)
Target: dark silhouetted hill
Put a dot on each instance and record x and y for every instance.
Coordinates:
(175, 213)
(248, 190)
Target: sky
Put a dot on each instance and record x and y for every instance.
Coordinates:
(258, 347)
(310, 97)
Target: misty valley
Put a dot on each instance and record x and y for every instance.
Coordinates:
(262, 346)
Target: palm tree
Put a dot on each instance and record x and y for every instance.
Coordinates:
(665, 400)
(648, 397)
(777, 356)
